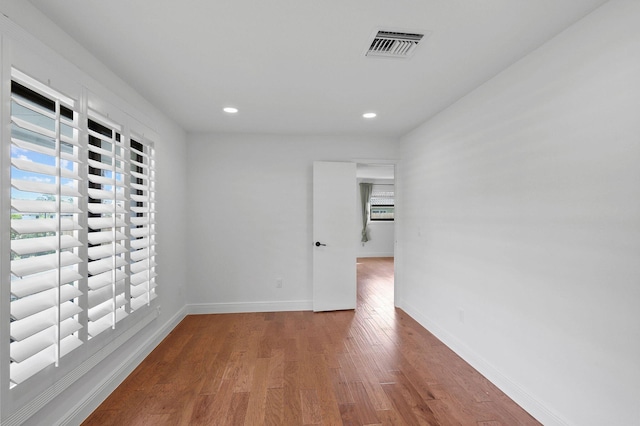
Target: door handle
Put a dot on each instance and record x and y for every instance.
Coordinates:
(318, 244)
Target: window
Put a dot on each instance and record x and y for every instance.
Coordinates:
(142, 225)
(106, 224)
(381, 203)
(82, 227)
(45, 211)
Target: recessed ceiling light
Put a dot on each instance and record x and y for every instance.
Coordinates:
(369, 114)
(230, 110)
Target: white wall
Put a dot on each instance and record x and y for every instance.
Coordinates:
(85, 394)
(381, 234)
(520, 228)
(250, 216)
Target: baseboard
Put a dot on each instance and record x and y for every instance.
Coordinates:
(234, 308)
(83, 408)
(514, 391)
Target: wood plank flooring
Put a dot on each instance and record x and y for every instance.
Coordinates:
(374, 366)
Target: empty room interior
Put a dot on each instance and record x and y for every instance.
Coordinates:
(320, 212)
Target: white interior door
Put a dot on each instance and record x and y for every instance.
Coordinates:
(334, 236)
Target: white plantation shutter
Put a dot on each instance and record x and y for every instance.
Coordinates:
(45, 210)
(107, 223)
(82, 246)
(142, 231)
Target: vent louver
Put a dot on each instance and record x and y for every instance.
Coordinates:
(393, 44)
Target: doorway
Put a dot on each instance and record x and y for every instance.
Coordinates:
(375, 257)
(337, 205)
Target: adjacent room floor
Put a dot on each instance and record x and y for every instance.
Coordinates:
(371, 366)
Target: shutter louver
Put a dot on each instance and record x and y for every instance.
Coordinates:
(142, 231)
(45, 209)
(107, 222)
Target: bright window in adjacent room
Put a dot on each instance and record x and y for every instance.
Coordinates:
(382, 203)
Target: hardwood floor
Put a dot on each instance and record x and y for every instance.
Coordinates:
(374, 366)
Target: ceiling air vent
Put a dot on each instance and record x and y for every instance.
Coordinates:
(393, 44)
